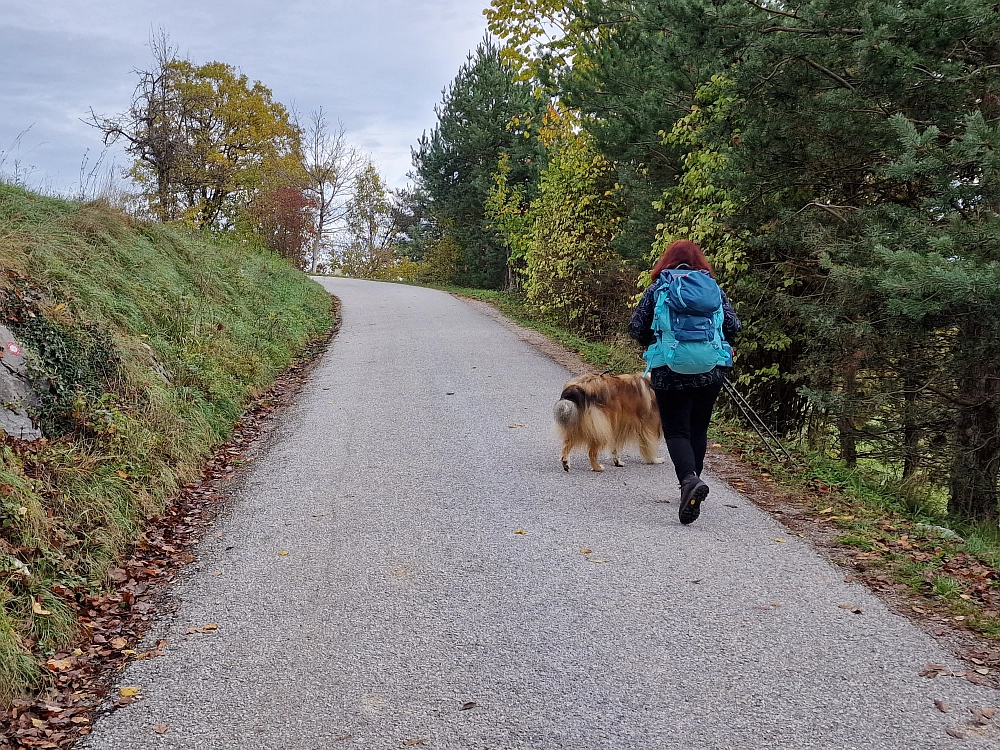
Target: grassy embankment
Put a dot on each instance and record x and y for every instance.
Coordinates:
(151, 340)
(888, 527)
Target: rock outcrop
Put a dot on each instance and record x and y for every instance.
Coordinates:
(16, 392)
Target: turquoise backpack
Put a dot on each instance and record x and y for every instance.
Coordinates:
(687, 321)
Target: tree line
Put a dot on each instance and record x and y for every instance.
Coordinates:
(837, 159)
(214, 149)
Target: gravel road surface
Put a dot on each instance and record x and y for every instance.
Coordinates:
(409, 609)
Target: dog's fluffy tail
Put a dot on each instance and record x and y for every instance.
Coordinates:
(566, 413)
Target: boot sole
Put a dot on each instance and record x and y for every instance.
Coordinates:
(690, 510)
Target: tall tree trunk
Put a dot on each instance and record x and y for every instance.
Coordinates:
(320, 223)
(845, 420)
(911, 429)
(975, 465)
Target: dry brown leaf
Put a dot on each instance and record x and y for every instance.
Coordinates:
(38, 723)
(210, 626)
(129, 691)
(958, 734)
(414, 741)
(38, 609)
(854, 609)
(159, 728)
(118, 643)
(520, 531)
(779, 539)
(469, 704)
(283, 553)
(585, 551)
(59, 665)
(942, 706)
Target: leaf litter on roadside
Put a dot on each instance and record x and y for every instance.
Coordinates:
(79, 673)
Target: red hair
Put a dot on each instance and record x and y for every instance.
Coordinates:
(682, 253)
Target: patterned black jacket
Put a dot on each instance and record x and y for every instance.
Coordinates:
(663, 378)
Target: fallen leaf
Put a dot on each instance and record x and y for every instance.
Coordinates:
(512, 426)
(38, 723)
(38, 609)
(931, 671)
(415, 741)
(466, 706)
(854, 609)
(731, 506)
(283, 553)
(343, 738)
(159, 728)
(118, 643)
(958, 734)
(942, 706)
(122, 474)
(987, 712)
(585, 551)
(827, 510)
(520, 531)
(128, 692)
(779, 539)
(210, 626)
(59, 665)
(982, 670)
(80, 720)
(595, 559)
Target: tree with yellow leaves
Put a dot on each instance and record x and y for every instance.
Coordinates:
(204, 139)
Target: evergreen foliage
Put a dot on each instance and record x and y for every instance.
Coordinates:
(836, 158)
(455, 162)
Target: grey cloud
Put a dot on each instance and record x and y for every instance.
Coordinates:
(379, 67)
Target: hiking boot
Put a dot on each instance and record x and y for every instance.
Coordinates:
(693, 491)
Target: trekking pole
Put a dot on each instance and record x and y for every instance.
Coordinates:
(755, 420)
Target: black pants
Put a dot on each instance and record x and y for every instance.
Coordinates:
(685, 415)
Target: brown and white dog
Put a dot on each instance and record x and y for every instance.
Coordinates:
(608, 412)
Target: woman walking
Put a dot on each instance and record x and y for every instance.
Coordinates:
(688, 357)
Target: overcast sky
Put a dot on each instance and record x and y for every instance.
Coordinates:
(377, 65)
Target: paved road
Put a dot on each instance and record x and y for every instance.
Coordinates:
(397, 486)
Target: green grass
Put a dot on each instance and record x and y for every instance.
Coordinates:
(153, 339)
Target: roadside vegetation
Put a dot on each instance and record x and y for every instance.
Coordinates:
(838, 163)
(145, 341)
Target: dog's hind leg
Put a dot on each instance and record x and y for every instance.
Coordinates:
(648, 448)
(592, 455)
(615, 457)
(567, 447)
